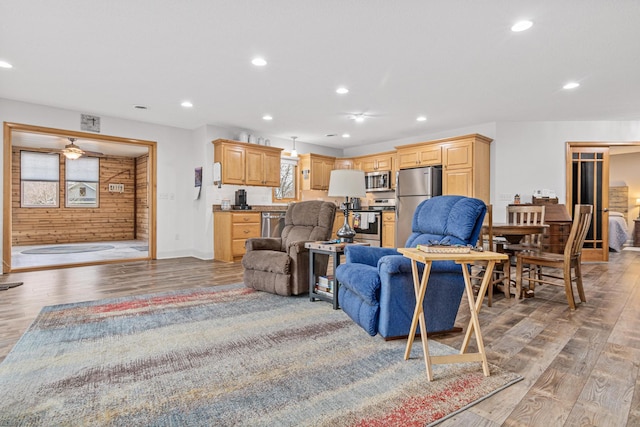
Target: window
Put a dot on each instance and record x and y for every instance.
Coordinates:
(39, 179)
(288, 190)
(82, 179)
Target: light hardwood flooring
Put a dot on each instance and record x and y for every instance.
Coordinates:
(580, 368)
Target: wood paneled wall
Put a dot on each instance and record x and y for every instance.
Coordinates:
(142, 198)
(114, 219)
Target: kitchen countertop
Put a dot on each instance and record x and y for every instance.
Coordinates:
(281, 208)
(255, 208)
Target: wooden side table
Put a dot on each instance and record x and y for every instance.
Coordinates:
(334, 250)
(420, 288)
(636, 232)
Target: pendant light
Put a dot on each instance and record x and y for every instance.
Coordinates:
(294, 152)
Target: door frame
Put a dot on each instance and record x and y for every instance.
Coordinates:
(7, 223)
(593, 254)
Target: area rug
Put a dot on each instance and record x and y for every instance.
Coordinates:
(235, 357)
(140, 248)
(67, 249)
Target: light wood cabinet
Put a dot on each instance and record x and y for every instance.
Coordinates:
(343, 164)
(466, 167)
(337, 224)
(245, 164)
(465, 163)
(419, 155)
(230, 231)
(263, 168)
(388, 229)
(374, 163)
(316, 171)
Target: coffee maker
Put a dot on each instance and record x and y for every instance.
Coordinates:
(241, 200)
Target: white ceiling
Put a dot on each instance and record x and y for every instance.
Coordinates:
(456, 61)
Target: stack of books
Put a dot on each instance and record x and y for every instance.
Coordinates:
(325, 285)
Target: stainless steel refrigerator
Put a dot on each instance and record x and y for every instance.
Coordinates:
(412, 187)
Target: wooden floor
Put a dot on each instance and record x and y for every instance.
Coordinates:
(580, 368)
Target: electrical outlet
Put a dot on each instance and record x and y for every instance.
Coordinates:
(505, 197)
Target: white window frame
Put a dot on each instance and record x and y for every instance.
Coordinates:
(45, 175)
(78, 178)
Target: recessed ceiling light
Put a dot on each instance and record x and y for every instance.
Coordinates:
(267, 117)
(521, 26)
(346, 135)
(571, 85)
(357, 117)
(140, 107)
(342, 90)
(259, 62)
(421, 119)
(330, 135)
(5, 64)
(187, 104)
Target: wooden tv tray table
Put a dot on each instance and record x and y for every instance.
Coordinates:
(420, 287)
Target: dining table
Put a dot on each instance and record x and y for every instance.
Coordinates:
(514, 233)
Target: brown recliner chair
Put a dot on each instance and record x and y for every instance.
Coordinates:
(280, 265)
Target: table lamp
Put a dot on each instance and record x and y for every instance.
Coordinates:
(346, 183)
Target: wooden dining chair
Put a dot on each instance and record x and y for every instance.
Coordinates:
(526, 215)
(567, 262)
(501, 271)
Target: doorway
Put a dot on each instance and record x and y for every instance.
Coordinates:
(588, 169)
(123, 212)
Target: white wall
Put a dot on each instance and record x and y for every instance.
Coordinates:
(174, 174)
(525, 156)
(625, 168)
(531, 155)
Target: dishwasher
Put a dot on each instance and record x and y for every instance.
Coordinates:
(272, 223)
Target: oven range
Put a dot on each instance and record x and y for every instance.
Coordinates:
(367, 224)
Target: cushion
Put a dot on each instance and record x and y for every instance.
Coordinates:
(362, 280)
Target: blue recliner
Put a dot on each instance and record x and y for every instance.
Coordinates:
(376, 284)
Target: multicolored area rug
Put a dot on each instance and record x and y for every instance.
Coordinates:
(235, 357)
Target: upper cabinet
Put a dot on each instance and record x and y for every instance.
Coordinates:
(248, 164)
(374, 163)
(316, 171)
(465, 163)
(418, 155)
(343, 164)
(466, 166)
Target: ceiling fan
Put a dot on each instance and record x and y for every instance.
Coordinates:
(72, 152)
(360, 117)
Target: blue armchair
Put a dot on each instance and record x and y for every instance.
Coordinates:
(376, 284)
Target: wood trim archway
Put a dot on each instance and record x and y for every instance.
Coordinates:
(10, 128)
(597, 250)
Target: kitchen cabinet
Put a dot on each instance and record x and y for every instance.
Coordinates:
(263, 168)
(418, 155)
(231, 231)
(462, 163)
(375, 163)
(338, 223)
(388, 229)
(248, 164)
(343, 164)
(316, 171)
(465, 163)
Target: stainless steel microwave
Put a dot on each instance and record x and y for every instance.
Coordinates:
(378, 181)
